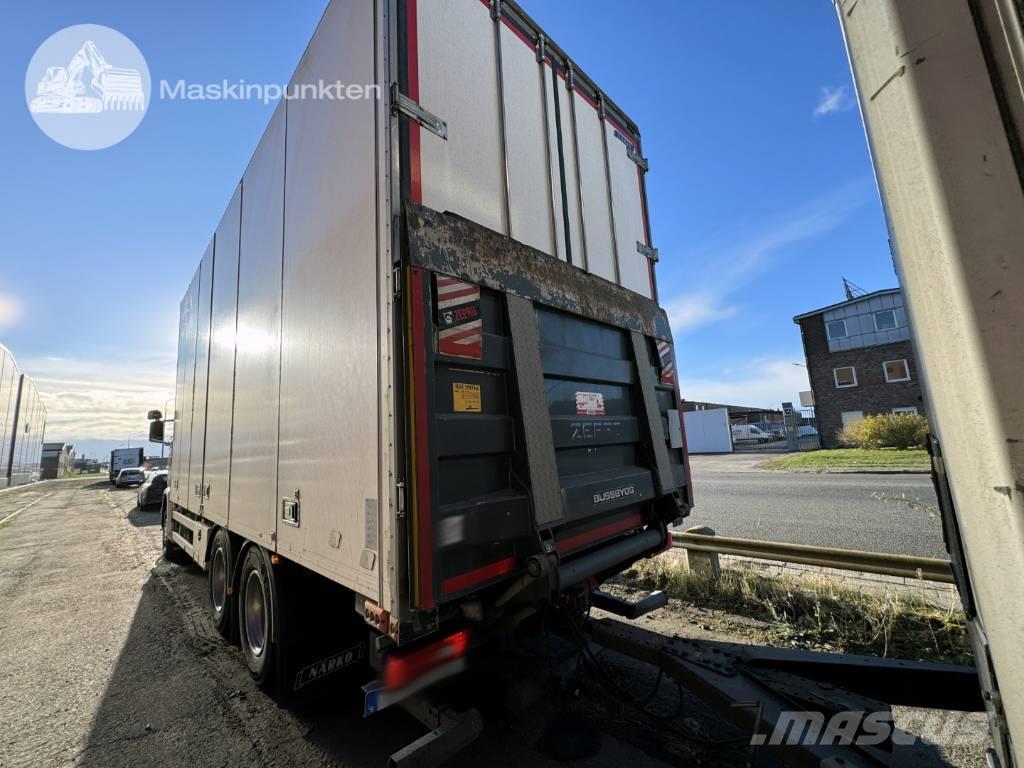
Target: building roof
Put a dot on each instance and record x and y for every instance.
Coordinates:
(883, 292)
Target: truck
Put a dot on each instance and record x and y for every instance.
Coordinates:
(425, 391)
(125, 458)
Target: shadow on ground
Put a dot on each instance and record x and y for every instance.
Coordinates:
(180, 695)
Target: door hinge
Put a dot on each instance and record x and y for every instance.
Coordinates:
(400, 498)
(403, 105)
(396, 282)
(646, 250)
(633, 155)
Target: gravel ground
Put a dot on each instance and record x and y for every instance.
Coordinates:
(108, 659)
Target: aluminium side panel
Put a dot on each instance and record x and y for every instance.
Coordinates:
(8, 372)
(254, 501)
(221, 380)
(559, 119)
(177, 426)
(458, 82)
(197, 450)
(597, 220)
(526, 137)
(181, 494)
(329, 377)
(628, 206)
(178, 478)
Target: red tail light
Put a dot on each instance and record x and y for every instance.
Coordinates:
(402, 669)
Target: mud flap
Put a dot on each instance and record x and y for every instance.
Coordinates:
(321, 641)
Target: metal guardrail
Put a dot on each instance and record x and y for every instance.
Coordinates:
(927, 568)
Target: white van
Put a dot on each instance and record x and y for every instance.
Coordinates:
(748, 433)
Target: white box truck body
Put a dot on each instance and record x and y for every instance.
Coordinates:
(422, 356)
(125, 458)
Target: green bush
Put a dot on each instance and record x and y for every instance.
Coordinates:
(886, 430)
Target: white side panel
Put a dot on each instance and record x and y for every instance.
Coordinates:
(525, 138)
(458, 82)
(181, 448)
(329, 382)
(220, 389)
(708, 431)
(258, 362)
(596, 221)
(629, 214)
(197, 446)
(571, 180)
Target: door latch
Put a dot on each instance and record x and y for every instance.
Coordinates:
(290, 509)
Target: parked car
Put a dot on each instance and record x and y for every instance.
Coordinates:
(130, 476)
(748, 433)
(152, 491)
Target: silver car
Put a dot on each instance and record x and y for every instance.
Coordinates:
(130, 476)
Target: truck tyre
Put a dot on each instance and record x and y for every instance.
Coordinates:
(257, 607)
(219, 570)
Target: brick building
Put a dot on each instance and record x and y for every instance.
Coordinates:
(860, 360)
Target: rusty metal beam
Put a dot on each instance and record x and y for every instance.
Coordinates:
(908, 566)
(454, 246)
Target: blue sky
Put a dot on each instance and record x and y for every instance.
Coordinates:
(761, 194)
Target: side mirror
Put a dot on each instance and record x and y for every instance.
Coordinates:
(156, 430)
(154, 415)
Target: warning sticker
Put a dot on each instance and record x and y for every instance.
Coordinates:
(466, 398)
(589, 404)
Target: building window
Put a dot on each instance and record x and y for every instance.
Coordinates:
(908, 409)
(836, 329)
(885, 320)
(845, 377)
(851, 417)
(896, 370)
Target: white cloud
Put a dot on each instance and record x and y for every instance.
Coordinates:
(99, 399)
(10, 310)
(693, 310)
(834, 99)
(724, 268)
(759, 384)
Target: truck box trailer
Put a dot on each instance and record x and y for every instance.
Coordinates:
(422, 370)
(125, 458)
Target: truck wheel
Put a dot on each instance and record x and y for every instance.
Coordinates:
(219, 571)
(257, 603)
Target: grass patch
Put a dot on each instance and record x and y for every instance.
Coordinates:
(852, 458)
(818, 612)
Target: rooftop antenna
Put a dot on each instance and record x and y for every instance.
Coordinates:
(852, 290)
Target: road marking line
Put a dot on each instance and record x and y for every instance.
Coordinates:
(15, 514)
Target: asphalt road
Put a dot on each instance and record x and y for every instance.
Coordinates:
(852, 511)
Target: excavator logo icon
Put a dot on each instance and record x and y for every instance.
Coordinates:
(61, 89)
(81, 99)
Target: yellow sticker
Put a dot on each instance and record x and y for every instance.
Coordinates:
(466, 398)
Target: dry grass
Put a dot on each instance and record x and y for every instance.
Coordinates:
(820, 612)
